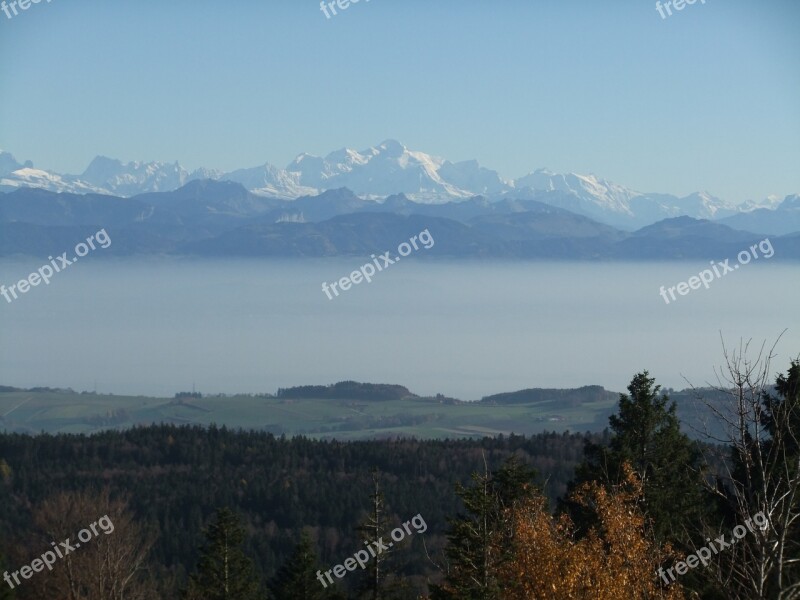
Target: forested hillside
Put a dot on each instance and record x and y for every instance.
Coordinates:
(175, 477)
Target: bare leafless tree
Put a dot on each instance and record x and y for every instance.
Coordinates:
(109, 566)
(759, 436)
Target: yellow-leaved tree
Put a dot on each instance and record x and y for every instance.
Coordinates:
(616, 560)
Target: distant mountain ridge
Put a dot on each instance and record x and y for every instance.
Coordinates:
(223, 219)
(780, 220)
(380, 172)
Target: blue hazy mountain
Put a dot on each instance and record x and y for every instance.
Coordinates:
(221, 218)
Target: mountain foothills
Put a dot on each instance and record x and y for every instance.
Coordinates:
(223, 219)
(390, 168)
(347, 410)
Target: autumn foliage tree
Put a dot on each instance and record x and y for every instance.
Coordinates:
(617, 559)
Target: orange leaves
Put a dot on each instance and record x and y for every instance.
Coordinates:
(616, 560)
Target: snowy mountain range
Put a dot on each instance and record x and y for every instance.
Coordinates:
(381, 171)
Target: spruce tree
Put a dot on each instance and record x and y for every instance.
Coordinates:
(646, 434)
(475, 540)
(377, 585)
(223, 571)
(297, 578)
(783, 414)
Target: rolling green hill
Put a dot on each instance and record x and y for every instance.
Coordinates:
(344, 411)
(344, 418)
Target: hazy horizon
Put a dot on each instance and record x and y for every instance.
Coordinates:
(157, 326)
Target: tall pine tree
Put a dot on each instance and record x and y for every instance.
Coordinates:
(475, 557)
(646, 434)
(223, 572)
(297, 578)
(379, 583)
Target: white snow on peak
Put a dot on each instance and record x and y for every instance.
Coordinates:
(268, 180)
(771, 202)
(53, 182)
(588, 189)
(383, 170)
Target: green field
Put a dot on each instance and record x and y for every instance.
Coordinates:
(424, 418)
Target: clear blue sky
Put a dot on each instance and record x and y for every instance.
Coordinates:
(707, 99)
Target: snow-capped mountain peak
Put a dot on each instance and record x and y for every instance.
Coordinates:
(382, 171)
(132, 178)
(9, 164)
(37, 178)
(590, 190)
(791, 202)
(379, 171)
(770, 202)
(392, 148)
(268, 180)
